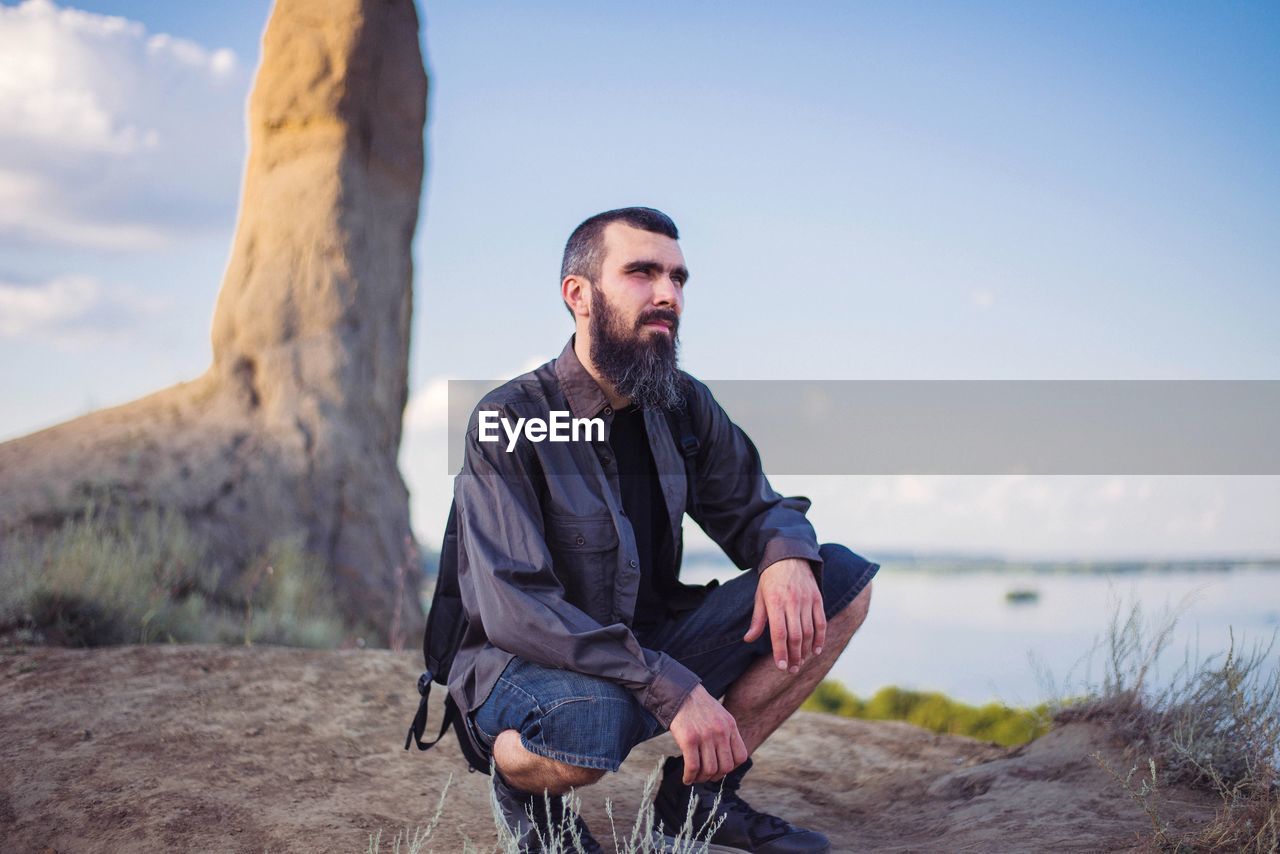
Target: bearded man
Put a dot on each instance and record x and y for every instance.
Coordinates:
(582, 641)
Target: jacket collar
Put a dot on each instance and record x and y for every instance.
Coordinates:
(580, 389)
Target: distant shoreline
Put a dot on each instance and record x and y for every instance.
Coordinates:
(945, 564)
(966, 564)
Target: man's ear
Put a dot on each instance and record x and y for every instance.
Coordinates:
(576, 291)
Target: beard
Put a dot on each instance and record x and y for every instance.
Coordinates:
(638, 363)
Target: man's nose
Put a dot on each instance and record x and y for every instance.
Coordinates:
(667, 292)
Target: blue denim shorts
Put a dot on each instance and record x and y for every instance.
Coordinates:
(593, 723)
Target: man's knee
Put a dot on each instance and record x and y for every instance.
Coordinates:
(580, 725)
(844, 572)
(856, 610)
(535, 772)
(603, 723)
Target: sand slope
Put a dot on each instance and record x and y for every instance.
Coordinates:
(233, 749)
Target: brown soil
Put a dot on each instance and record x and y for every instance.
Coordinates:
(195, 748)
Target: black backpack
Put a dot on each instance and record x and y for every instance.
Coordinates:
(446, 621)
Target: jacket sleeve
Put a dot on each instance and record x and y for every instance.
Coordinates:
(738, 509)
(507, 581)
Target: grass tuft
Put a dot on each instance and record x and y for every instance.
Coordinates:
(645, 837)
(112, 575)
(1214, 725)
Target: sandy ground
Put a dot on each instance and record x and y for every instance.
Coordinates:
(233, 749)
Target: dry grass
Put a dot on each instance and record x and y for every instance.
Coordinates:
(1214, 725)
(112, 575)
(643, 837)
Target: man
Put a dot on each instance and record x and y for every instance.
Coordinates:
(582, 642)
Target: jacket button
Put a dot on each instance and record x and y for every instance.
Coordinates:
(634, 564)
(580, 540)
(608, 410)
(606, 459)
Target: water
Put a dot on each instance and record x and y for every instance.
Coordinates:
(956, 632)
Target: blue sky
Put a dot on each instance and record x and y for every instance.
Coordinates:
(889, 191)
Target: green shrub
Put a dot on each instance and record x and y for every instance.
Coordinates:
(103, 577)
(112, 574)
(288, 599)
(831, 697)
(934, 711)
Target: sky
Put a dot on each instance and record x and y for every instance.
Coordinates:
(864, 191)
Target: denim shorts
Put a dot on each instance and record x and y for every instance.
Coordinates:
(593, 723)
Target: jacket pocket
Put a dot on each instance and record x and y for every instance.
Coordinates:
(584, 550)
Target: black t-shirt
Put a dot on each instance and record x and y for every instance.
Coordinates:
(642, 500)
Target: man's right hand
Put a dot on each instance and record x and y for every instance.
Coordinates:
(708, 736)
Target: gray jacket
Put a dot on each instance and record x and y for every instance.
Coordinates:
(547, 560)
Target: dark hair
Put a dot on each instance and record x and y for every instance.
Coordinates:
(584, 253)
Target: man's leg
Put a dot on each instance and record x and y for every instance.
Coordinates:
(535, 817)
(765, 696)
(530, 772)
(759, 696)
(549, 730)
(709, 641)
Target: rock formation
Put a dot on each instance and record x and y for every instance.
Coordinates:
(295, 427)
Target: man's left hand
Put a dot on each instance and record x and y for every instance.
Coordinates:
(788, 599)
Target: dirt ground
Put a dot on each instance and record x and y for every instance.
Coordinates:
(198, 748)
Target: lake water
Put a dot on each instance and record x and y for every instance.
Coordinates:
(956, 632)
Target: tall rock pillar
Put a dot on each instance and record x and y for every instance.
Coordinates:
(296, 426)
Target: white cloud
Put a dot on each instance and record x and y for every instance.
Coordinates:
(219, 62)
(428, 407)
(33, 209)
(127, 135)
(46, 92)
(71, 310)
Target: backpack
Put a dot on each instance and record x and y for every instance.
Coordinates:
(447, 622)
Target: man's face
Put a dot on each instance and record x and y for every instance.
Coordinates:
(635, 315)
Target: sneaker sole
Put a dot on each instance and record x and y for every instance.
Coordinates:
(711, 848)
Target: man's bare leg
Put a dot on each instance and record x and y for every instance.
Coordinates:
(765, 696)
(530, 772)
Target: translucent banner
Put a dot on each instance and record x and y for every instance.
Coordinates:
(1222, 427)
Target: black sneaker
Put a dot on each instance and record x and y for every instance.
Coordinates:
(530, 822)
(744, 829)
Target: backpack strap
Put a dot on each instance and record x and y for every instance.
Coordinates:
(681, 422)
(446, 620)
(419, 725)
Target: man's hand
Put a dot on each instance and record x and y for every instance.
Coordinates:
(708, 737)
(788, 598)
